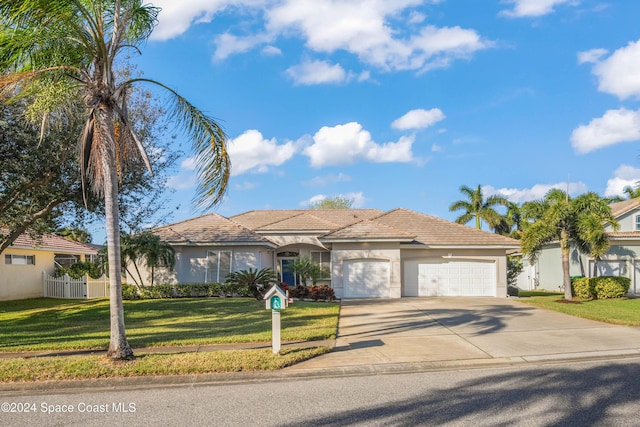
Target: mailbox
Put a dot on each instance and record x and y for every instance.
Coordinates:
(276, 299)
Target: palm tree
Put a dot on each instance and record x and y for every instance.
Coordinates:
(256, 281)
(51, 49)
(148, 247)
(477, 207)
(578, 222)
(631, 192)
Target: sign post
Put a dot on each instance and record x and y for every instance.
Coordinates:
(276, 300)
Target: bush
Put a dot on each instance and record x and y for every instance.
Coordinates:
(583, 287)
(513, 291)
(610, 287)
(323, 292)
(129, 292)
(300, 291)
(79, 269)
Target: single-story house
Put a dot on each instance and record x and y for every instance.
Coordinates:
(24, 262)
(369, 253)
(622, 258)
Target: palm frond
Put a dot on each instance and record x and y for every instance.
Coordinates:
(209, 143)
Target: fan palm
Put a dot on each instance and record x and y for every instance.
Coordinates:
(57, 49)
(477, 207)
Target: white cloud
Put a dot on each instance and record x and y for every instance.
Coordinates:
(526, 8)
(317, 72)
(591, 56)
(358, 199)
(176, 17)
(251, 152)
(328, 179)
(614, 127)
(243, 186)
(271, 51)
(418, 119)
(537, 192)
(624, 176)
(182, 181)
(188, 164)
(619, 74)
(372, 30)
(345, 144)
(437, 148)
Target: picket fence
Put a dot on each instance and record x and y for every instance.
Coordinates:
(66, 287)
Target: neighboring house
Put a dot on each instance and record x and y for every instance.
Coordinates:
(370, 253)
(24, 263)
(622, 258)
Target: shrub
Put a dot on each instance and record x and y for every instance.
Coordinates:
(324, 293)
(610, 287)
(299, 291)
(129, 292)
(583, 288)
(512, 291)
(257, 282)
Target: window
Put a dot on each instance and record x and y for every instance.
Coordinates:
(637, 222)
(218, 266)
(323, 259)
(65, 260)
(20, 259)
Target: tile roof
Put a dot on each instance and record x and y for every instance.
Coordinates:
(432, 231)
(256, 219)
(300, 223)
(210, 228)
(620, 208)
(51, 242)
(624, 235)
(368, 229)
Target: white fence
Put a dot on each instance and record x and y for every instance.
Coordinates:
(66, 287)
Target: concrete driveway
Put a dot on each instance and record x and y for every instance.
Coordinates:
(433, 332)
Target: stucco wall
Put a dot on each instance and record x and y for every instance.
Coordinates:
(627, 222)
(549, 264)
(24, 281)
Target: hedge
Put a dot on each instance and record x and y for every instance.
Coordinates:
(193, 290)
(603, 287)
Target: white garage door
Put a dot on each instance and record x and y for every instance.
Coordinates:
(366, 279)
(454, 279)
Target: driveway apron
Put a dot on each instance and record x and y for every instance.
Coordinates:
(463, 331)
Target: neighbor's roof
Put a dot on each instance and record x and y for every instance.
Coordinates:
(208, 229)
(621, 208)
(432, 231)
(301, 220)
(51, 242)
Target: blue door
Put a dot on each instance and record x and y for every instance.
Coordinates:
(287, 275)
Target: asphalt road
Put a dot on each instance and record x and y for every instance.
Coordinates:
(603, 393)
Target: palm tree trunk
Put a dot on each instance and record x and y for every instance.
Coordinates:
(566, 278)
(118, 346)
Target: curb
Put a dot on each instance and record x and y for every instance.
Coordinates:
(293, 373)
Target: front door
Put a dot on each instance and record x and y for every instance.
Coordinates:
(287, 274)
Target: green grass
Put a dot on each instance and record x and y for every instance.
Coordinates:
(51, 324)
(91, 367)
(526, 294)
(621, 311)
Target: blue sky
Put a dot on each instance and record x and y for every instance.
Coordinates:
(397, 103)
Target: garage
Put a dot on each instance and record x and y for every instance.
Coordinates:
(454, 278)
(366, 279)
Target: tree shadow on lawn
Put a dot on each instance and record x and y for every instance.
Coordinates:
(545, 396)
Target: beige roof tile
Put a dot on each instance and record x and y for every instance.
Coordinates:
(210, 228)
(368, 229)
(302, 222)
(620, 208)
(263, 220)
(434, 231)
(51, 242)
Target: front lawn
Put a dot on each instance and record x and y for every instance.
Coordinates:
(53, 324)
(621, 311)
